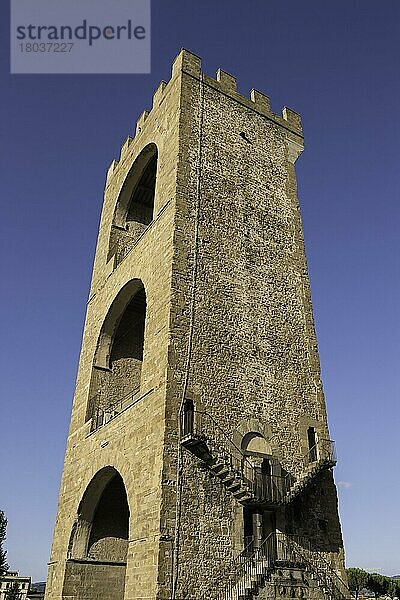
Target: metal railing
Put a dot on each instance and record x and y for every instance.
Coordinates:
(268, 487)
(247, 571)
(322, 453)
(104, 414)
(299, 549)
(264, 487)
(203, 426)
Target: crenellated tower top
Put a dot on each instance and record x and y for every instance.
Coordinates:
(189, 63)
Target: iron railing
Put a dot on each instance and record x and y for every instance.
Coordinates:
(203, 426)
(104, 414)
(299, 549)
(246, 573)
(323, 453)
(199, 427)
(268, 487)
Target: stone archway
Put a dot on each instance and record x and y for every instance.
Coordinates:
(118, 360)
(97, 555)
(254, 442)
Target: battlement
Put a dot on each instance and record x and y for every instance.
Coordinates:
(190, 64)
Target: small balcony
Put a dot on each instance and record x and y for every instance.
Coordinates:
(102, 414)
(266, 483)
(247, 481)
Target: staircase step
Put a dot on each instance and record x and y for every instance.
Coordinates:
(219, 468)
(234, 485)
(226, 477)
(310, 471)
(243, 494)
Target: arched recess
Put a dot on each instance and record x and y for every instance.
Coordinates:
(255, 443)
(101, 530)
(134, 210)
(117, 365)
(260, 453)
(99, 540)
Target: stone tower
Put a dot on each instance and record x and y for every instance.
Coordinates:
(198, 462)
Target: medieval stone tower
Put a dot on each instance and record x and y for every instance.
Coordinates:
(198, 462)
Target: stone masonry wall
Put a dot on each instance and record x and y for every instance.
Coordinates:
(132, 442)
(249, 319)
(89, 581)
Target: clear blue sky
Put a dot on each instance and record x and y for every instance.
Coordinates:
(335, 62)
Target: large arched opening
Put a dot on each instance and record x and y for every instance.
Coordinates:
(98, 545)
(117, 365)
(135, 207)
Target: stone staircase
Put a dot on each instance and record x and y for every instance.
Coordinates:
(223, 467)
(255, 575)
(307, 469)
(208, 442)
(254, 569)
(244, 576)
(225, 460)
(317, 567)
(249, 574)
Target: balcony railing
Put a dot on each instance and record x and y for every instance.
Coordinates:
(204, 437)
(322, 455)
(104, 414)
(246, 574)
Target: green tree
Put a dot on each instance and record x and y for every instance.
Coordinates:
(358, 579)
(376, 583)
(392, 587)
(3, 526)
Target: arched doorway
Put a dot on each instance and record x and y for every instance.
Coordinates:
(258, 451)
(259, 519)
